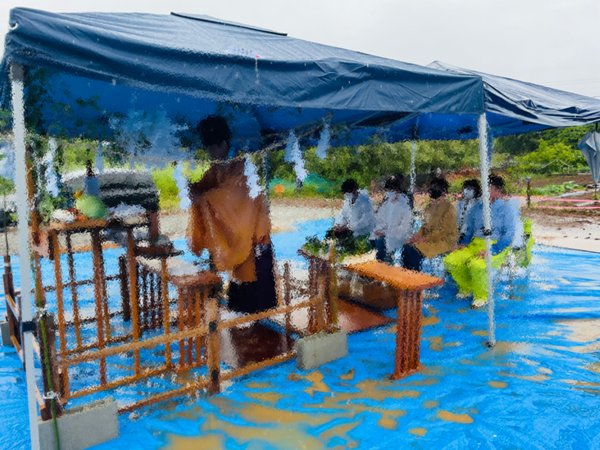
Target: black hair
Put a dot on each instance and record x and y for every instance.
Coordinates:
(473, 184)
(350, 185)
(438, 187)
(395, 183)
(496, 181)
(213, 130)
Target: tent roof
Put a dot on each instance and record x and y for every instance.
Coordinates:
(516, 106)
(104, 65)
(193, 65)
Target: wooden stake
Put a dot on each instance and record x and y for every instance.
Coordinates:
(99, 294)
(73, 281)
(213, 346)
(166, 308)
(125, 301)
(287, 297)
(189, 298)
(133, 294)
(199, 306)
(62, 334)
(180, 323)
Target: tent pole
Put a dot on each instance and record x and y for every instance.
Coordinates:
(413, 169)
(266, 168)
(17, 82)
(487, 221)
(413, 157)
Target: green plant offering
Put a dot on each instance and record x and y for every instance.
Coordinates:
(91, 206)
(315, 246)
(345, 246)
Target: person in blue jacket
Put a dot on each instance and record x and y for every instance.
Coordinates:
(467, 263)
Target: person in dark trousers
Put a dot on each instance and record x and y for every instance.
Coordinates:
(232, 225)
(394, 220)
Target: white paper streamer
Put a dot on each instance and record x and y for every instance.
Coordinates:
(324, 142)
(294, 155)
(288, 148)
(182, 187)
(252, 180)
(48, 161)
(7, 164)
(99, 158)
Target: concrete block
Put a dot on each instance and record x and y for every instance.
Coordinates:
(5, 333)
(321, 348)
(82, 427)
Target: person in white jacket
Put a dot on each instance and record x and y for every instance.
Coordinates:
(394, 220)
(357, 211)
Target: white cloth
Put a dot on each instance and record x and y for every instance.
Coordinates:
(182, 187)
(252, 180)
(358, 215)
(394, 219)
(519, 239)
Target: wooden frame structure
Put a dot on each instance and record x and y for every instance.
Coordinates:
(409, 287)
(190, 321)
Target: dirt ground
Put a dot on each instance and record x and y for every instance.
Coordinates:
(576, 229)
(582, 180)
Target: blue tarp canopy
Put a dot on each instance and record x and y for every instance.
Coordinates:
(514, 107)
(102, 65)
(95, 70)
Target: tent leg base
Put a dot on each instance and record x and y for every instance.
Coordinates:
(82, 427)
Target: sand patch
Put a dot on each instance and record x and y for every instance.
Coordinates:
(452, 417)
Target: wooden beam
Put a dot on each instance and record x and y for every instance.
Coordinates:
(201, 384)
(133, 346)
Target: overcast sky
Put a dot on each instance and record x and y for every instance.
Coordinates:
(551, 42)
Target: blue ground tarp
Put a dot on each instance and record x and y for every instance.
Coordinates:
(537, 389)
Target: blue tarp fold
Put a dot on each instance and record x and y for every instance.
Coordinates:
(515, 107)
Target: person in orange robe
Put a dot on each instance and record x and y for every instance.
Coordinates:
(231, 225)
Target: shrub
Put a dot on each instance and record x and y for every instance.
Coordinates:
(548, 159)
